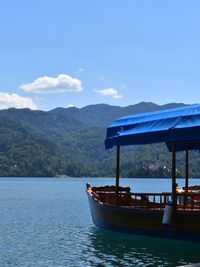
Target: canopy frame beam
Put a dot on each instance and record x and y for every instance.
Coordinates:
(174, 200)
(186, 168)
(117, 174)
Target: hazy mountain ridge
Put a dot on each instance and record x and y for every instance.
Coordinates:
(101, 115)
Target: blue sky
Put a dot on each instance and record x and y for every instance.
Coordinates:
(82, 52)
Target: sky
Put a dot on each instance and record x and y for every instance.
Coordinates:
(62, 53)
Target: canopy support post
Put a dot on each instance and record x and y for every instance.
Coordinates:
(174, 175)
(186, 169)
(117, 174)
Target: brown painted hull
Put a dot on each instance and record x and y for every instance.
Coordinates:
(184, 225)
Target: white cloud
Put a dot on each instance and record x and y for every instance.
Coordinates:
(109, 92)
(71, 106)
(62, 83)
(15, 101)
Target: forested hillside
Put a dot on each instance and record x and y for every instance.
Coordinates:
(71, 142)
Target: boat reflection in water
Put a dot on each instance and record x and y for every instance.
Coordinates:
(172, 214)
(133, 250)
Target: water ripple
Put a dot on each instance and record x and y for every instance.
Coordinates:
(47, 223)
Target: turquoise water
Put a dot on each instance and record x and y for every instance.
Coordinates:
(47, 222)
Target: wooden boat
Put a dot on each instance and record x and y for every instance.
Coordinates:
(167, 214)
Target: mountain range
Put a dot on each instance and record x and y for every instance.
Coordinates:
(70, 141)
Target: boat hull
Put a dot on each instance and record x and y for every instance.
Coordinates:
(184, 225)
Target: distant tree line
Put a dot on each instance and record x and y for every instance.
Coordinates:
(64, 142)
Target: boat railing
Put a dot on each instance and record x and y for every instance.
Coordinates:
(189, 201)
(184, 201)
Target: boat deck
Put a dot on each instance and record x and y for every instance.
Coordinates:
(106, 195)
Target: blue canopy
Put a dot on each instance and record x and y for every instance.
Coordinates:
(180, 125)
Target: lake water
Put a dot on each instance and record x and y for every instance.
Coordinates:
(47, 222)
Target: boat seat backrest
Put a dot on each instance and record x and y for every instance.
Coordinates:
(112, 188)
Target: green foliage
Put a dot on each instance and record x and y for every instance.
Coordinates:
(71, 142)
